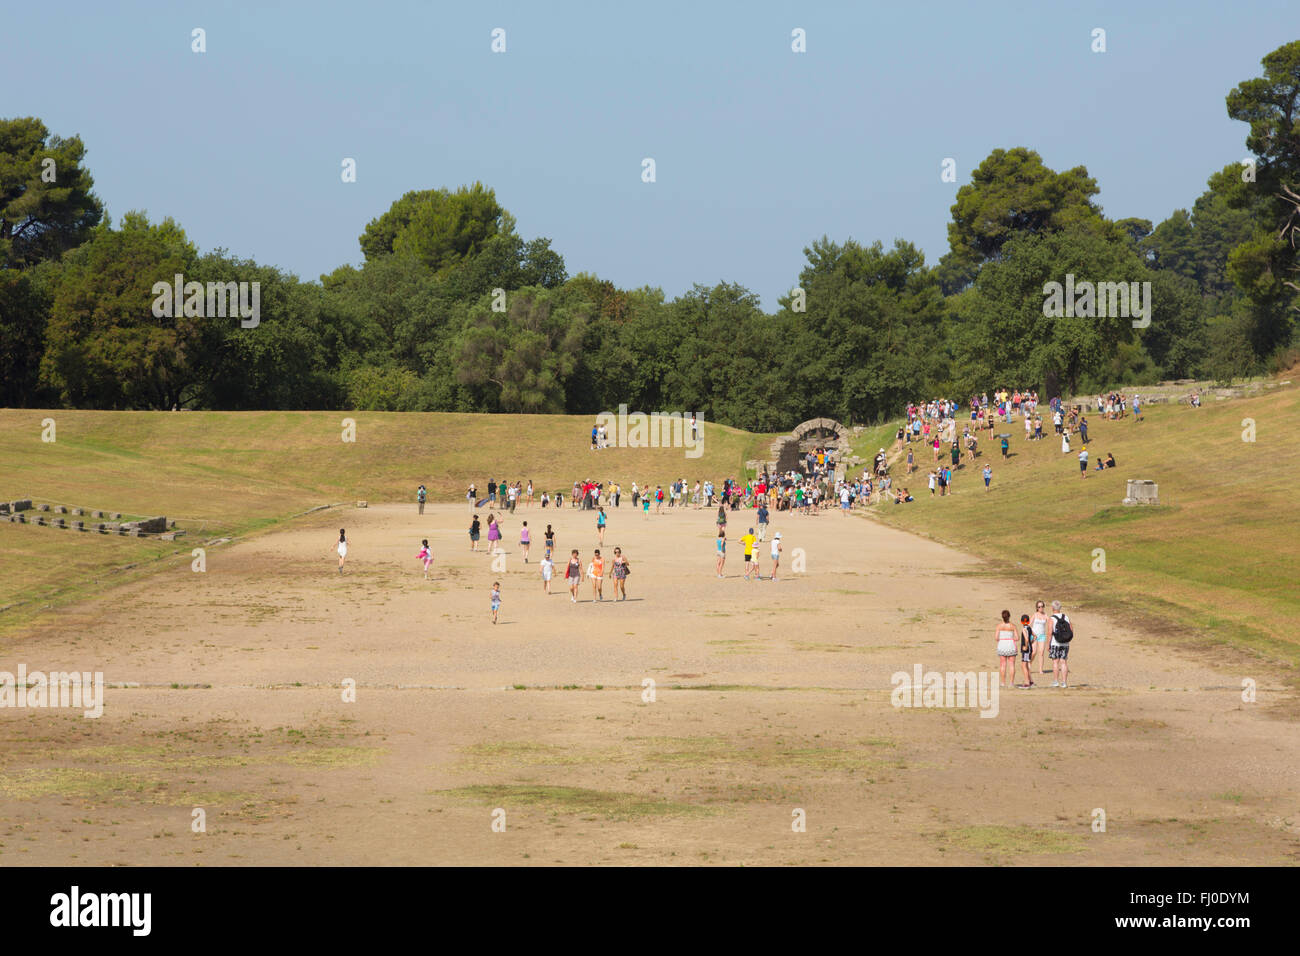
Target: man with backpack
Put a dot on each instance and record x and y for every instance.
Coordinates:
(1059, 650)
(420, 495)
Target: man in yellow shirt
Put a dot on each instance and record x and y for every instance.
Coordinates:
(747, 540)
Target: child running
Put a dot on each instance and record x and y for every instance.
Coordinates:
(426, 556)
(496, 600)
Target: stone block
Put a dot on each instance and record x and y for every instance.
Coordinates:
(147, 526)
(1142, 492)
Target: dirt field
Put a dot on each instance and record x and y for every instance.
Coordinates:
(769, 697)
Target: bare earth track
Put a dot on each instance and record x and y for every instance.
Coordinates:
(769, 697)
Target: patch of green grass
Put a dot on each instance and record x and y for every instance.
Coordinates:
(482, 755)
(1004, 841)
(577, 801)
(101, 787)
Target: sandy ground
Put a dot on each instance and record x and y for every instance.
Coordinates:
(772, 701)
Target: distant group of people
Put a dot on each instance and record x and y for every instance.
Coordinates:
(507, 494)
(575, 574)
(1040, 637)
(811, 488)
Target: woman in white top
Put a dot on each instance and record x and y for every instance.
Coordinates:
(1005, 636)
(1038, 624)
(343, 548)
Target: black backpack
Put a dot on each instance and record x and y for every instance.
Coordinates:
(1062, 632)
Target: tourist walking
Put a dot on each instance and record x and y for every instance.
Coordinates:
(596, 571)
(548, 569)
(621, 572)
(573, 575)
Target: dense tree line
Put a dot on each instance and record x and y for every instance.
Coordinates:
(453, 310)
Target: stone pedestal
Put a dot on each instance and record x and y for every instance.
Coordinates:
(1141, 492)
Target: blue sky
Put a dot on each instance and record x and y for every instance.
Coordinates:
(758, 150)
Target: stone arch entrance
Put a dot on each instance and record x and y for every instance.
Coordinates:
(785, 452)
(822, 431)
